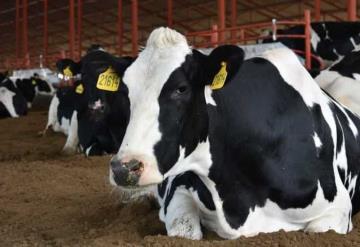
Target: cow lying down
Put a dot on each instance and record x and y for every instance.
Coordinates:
(239, 147)
(92, 111)
(342, 81)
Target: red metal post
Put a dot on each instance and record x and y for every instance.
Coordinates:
(317, 10)
(214, 38)
(221, 19)
(134, 26)
(307, 17)
(233, 17)
(45, 34)
(71, 28)
(352, 10)
(17, 30)
(120, 27)
(170, 21)
(25, 31)
(79, 26)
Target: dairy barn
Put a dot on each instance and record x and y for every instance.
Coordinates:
(179, 123)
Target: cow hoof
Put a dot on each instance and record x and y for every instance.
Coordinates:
(42, 133)
(68, 151)
(186, 227)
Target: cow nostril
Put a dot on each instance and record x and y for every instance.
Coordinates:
(135, 166)
(114, 162)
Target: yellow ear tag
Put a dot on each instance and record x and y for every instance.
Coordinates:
(79, 89)
(108, 80)
(67, 72)
(33, 82)
(220, 78)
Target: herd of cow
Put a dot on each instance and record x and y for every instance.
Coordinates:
(237, 146)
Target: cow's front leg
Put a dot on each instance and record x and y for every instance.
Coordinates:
(182, 215)
(72, 140)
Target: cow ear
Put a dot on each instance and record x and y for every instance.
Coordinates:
(220, 65)
(121, 64)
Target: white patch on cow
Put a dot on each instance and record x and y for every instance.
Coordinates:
(165, 51)
(315, 39)
(52, 115)
(356, 76)
(341, 160)
(199, 161)
(356, 46)
(208, 96)
(28, 104)
(317, 141)
(6, 97)
(352, 184)
(183, 219)
(72, 140)
(326, 78)
(87, 151)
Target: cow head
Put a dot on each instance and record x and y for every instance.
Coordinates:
(102, 78)
(68, 71)
(167, 84)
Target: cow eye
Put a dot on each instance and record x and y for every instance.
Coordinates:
(181, 89)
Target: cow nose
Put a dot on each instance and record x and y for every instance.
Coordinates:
(126, 173)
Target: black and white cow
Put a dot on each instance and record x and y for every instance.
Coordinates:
(329, 40)
(103, 118)
(12, 101)
(240, 147)
(30, 87)
(63, 103)
(342, 81)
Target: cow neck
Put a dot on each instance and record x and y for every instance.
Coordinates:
(196, 123)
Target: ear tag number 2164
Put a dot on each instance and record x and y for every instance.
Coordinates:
(108, 80)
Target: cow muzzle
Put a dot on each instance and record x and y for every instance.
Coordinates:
(126, 174)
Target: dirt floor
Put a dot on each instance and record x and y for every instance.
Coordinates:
(47, 199)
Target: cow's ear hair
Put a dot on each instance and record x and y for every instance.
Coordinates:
(121, 64)
(211, 65)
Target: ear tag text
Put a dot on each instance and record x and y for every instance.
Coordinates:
(108, 81)
(67, 72)
(220, 78)
(79, 89)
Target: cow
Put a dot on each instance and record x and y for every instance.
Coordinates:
(342, 80)
(102, 120)
(63, 103)
(30, 87)
(12, 101)
(240, 147)
(329, 40)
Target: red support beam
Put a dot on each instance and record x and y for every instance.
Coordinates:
(170, 20)
(120, 27)
(71, 28)
(17, 30)
(221, 19)
(79, 27)
(134, 26)
(45, 32)
(352, 10)
(307, 17)
(25, 29)
(317, 5)
(233, 20)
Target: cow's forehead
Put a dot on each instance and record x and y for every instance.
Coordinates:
(165, 51)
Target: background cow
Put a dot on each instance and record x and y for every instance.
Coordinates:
(329, 40)
(12, 101)
(342, 80)
(103, 118)
(241, 146)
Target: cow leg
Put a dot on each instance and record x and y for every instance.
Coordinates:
(72, 140)
(182, 217)
(52, 116)
(340, 222)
